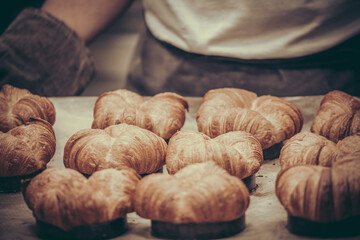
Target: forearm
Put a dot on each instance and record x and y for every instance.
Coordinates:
(86, 17)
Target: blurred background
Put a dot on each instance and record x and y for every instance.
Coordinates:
(113, 49)
(329, 66)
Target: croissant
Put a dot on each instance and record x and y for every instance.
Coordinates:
(238, 152)
(321, 194)
(27, 148)
(66, 199)
(197, 194)
(18, 106)
(319, 185)
(270, 119)
(163, 114)
(118, 146)
(309, 148)
(337, 117)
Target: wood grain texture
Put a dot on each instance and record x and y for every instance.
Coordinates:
(270, 119)
(198, 193)
(118, 146)
(337, 117)
(27, 148)
(17, 106)
(163, 114)
(67, 199)
(238, 152)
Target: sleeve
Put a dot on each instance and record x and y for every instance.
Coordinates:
(40, 53)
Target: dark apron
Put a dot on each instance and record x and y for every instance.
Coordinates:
(158, 67)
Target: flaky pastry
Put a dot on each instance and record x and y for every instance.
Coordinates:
(310, 148)
(27, 148)
(118, 146)
(321, 194)
(238, 152)
(18, 106)
(198, 193)
(270, 119)
(337, 117)
(67, 199)
(163, 114)
(319, 180)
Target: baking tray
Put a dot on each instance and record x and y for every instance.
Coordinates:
(265, 217)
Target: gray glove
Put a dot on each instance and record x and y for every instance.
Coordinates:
(40, 53)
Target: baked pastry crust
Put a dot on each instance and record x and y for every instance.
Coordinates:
(118, 146)
(18, 106)
(320, 180)
(309, 148)
(198, 193)
(337, 117)
(163, 114)
(27, 148)
(238, 152)
(67, 199)
(321, 194)
(270, 119)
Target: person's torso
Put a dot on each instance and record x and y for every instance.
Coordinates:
(253, 29)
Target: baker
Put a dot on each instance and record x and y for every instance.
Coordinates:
(275, 47)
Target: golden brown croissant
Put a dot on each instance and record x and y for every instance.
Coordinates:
(337, 117)
(310, 148)
(27, 148)
(198, 193)
(17, 106)
(163, 114)
(66, 199)
(118, 146)
(321, 194)
(270, 119)
(238, 152)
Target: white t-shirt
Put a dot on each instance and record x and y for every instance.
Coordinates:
(253, 29)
